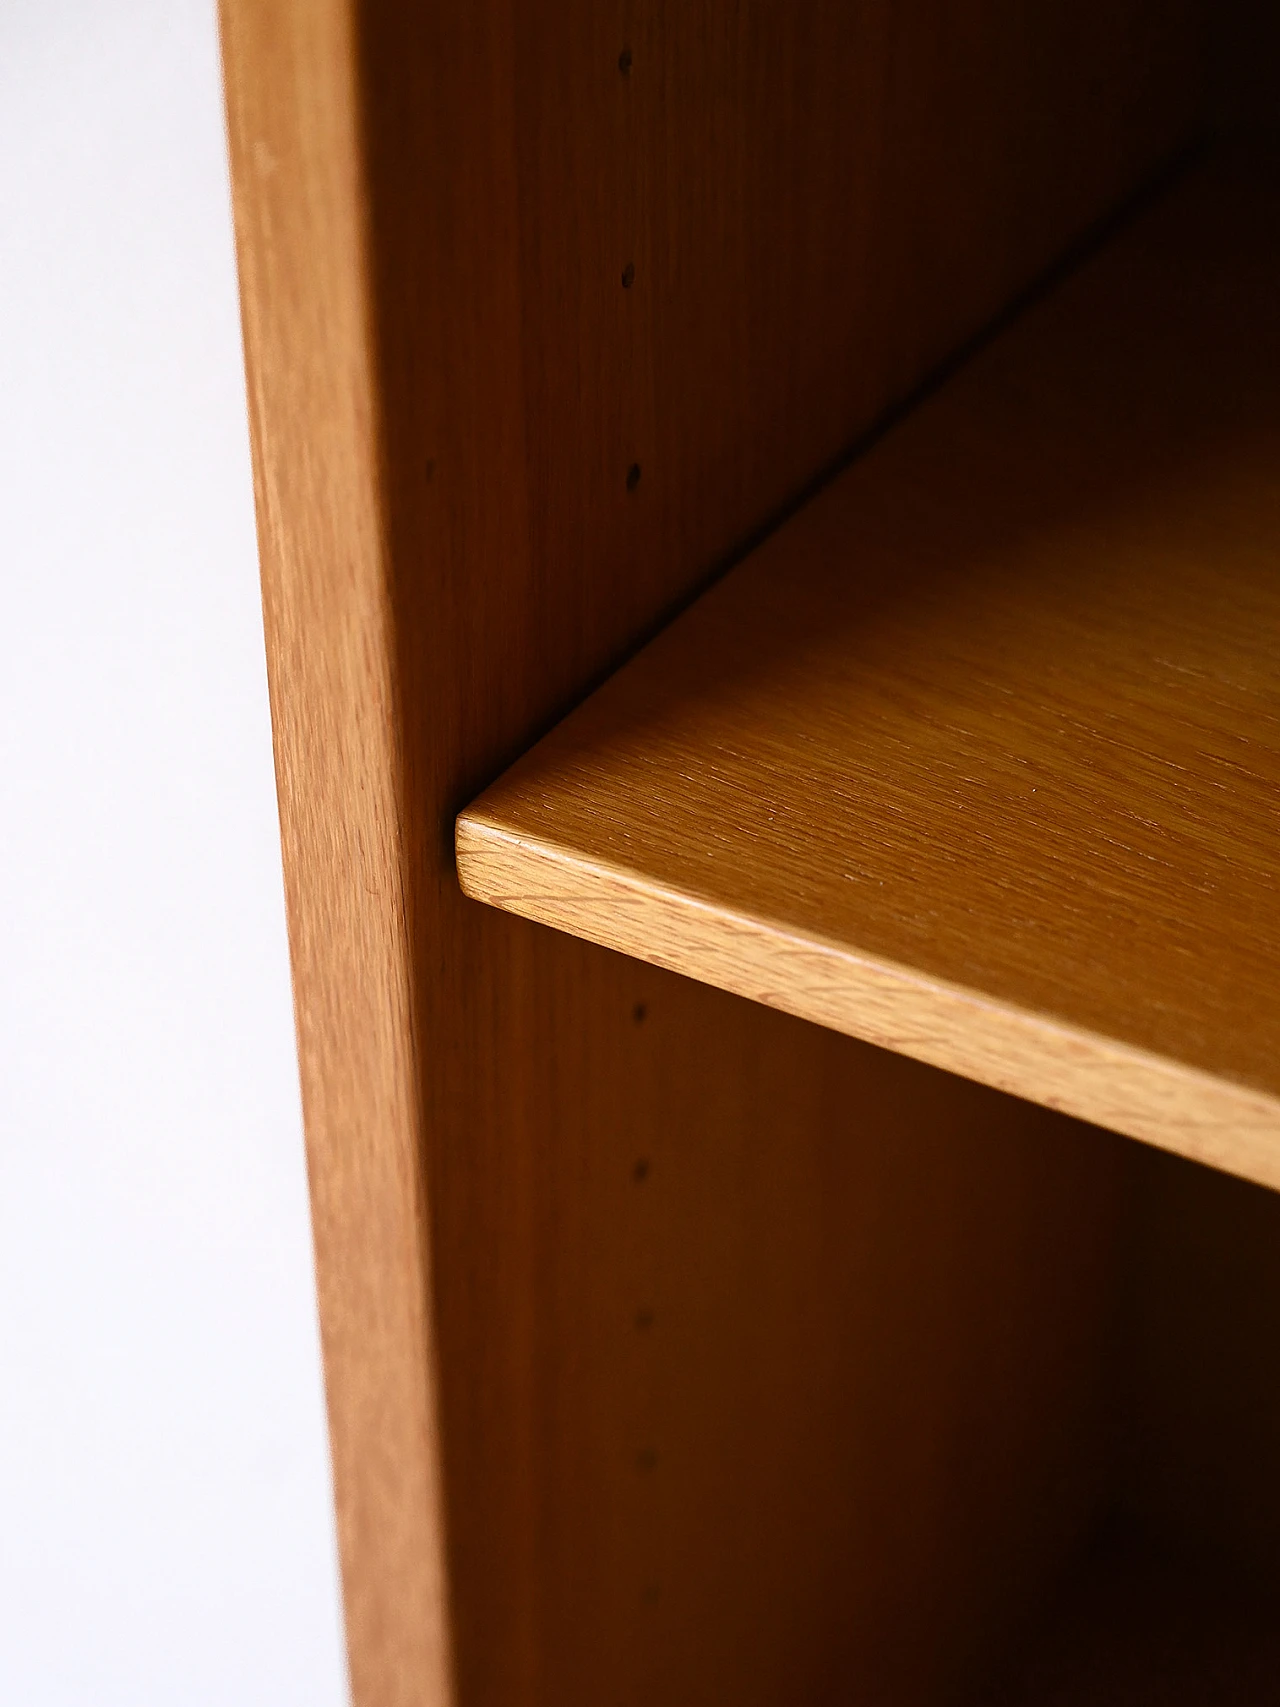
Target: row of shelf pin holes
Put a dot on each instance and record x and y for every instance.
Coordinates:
(629, 271)
(646, 1456)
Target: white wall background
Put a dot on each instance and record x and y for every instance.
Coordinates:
(165, 1521)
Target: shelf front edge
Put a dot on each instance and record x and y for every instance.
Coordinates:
(1131, 1091)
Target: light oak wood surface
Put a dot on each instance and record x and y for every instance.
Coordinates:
(979, 756)
(313, 390)
(676, 1351)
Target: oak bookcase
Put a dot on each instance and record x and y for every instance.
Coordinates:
(770, 527)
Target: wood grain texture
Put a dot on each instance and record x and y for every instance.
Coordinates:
(666, 1330)
(979, 756)
(293, 126)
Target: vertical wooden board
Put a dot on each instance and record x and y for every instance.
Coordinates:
(1244, 57)
(1201, 1399)
(820, 1358)
(450, 383)
(820, 203)
(293, 131)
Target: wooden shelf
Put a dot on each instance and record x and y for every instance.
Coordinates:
(978, 757)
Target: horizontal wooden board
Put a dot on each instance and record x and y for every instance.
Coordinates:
(979, 756)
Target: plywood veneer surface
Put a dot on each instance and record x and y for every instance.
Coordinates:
(540, 1498)
(979, 755)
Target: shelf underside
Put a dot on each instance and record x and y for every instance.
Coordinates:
(978, 757)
